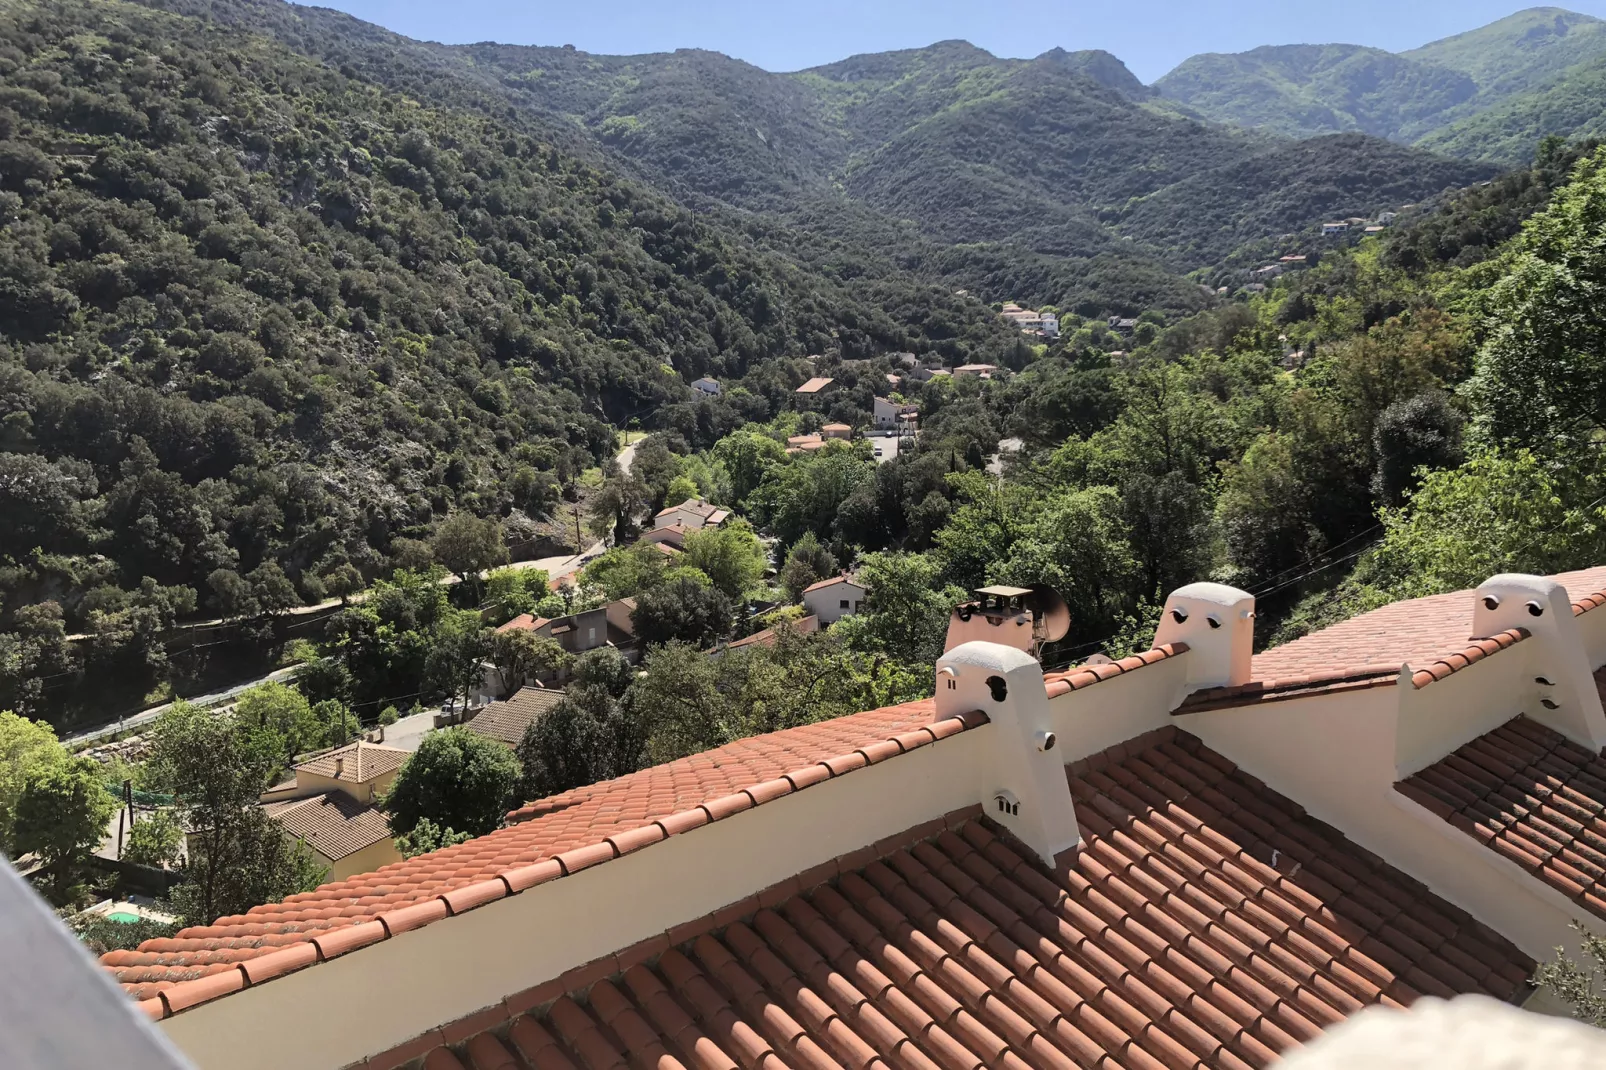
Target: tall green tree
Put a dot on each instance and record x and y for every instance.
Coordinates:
(27, 748)
(457, 779)
(730, 556)
(61, 817)
(216, 767)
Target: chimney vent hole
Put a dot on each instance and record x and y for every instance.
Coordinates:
(1535, 609)
(998, 687)
(1491, 602)
(1213, 620)
(1179, 615)
(1549, 705)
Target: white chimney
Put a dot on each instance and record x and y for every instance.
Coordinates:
(340, 766)
(1566, 697)
(1029, 795)
(1218, 624)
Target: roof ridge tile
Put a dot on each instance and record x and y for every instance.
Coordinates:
(357, 925)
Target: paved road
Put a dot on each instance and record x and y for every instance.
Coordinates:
(144, 717)
(556, 567)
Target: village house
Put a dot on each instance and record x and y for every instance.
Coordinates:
(814, 387)
(1197, 856)
(838, 431)
(767, 637)
(706, 385)
(831, 600)
(924, 373)
(575, 633)
(507, 720)
(1330, 229)
(1049, 324)
(1122, 324)
(804, 443)
(886, 414)
(981, 371)
(673, 535)
(332, 807)
(693, 514)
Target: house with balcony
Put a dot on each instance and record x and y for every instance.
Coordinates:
(1196, 856)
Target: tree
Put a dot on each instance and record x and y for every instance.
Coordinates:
(1580, 986)
(748, 457)
(521, 656)
(342, 582)
(61, 817)
(511, 591)
(806, 564)
(216, 767)
(1540, 378)
(906, 610)
(426, 837)
(231, 595)
(588, 737)
(468, 545)
(624, 571)
(616, 506)
(683, 609)
(458, 647)
(284, 713)
(1419, 432)
(154, 840)
(458, 780)
(1078, 546)
(730, 556)
(26, 749)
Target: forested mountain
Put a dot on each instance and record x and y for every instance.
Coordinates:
(1424, 96)
(260, 319)
(280, 291)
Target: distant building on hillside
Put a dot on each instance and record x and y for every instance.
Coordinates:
(706, 385)
(1331, 229)
(506, 721)
(693, 514)
(1049, 324)
(836, 431)
(835, 598)
(981, 371)
(817, 385)
(886, 414)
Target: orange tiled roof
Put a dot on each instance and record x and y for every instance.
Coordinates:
(358, 762)
(546, 839)
(815, 385)
(333, 824)
(1433, 635)
(832, 582)
(1531, 795)
(1204, 921)
(1080, 676)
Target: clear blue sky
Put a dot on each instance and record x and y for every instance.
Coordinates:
(1152, 36)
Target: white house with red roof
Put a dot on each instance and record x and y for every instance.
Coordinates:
(832, 599)
(1196, 856)
(693, 514)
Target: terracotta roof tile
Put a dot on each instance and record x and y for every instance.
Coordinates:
(1078, 677)
(1421, 632)
(333, 824)
(1191, 928)
(1531, 795)
(543, 841)
(358, 762)
(506, 721)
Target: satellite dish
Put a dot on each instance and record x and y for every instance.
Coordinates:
(1053, 616)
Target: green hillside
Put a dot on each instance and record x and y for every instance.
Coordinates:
(262, 320)
(1305, 90)
(1423, 96)
(1520, 52)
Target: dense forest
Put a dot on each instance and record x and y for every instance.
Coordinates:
(1488, 94)
(286, 297)
(262, 319)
